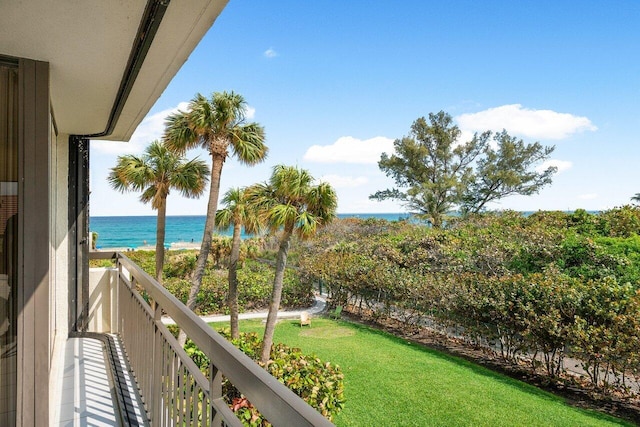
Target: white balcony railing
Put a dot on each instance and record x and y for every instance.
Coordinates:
(173, 389)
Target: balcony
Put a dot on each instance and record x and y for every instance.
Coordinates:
(155, 381)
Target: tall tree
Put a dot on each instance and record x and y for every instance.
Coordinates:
(434, 172)
(430, 167)
(241, 214)
(636, 198)
(156, 173)
(505, 170)
(219, 126)
(289, 203)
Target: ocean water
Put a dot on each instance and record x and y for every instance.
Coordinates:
(136, 231)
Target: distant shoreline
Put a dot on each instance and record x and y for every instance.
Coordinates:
(182, 232)
(126, 233)
(176, 246)
(339, 214)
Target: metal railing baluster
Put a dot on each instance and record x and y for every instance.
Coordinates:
(174, 390)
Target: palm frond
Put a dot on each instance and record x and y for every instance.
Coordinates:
(307, 224)
(281, 215)
(131, 173)
(247, 142)
(224, 218)
(179, 133)
(149, 194)
(323, 202)
(191, 178)
(233, 197)
(229, 108)
(242, 207)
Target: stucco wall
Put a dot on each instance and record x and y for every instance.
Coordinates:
(101, 292)
(59, 260)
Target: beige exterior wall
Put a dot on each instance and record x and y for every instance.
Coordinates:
(59, 265)
(101, 294)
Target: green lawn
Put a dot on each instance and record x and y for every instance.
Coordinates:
(390, 382)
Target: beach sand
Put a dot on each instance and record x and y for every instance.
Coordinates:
(173, 247)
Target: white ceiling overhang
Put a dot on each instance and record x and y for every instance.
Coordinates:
(88, 43)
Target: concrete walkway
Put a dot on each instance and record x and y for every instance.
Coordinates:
(318, 306)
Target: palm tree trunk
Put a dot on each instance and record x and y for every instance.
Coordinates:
(233, 280)
(217, 162)
(160, 233)
(276, 295)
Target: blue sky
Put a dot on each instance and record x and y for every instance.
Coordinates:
(334, 83)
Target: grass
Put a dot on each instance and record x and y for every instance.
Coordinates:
(390, 382)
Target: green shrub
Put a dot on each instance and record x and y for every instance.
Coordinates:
(620, 222)
(545, 284)
(255, 283)
(102, 263)
(583, 222)
(180, 264)
(626, 251)
(318, 383)
(144, 259)
(210, 299)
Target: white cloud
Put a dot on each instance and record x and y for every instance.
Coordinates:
(348, 149)
(562, 165)
(542, 124)
(589, 196)
(150, 128)
(270, 53)
(249, 113)
(339, 181)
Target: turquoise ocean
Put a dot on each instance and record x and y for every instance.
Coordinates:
(136, 231)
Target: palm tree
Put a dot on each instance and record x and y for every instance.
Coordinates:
(155, 173)
(217, 125)
(636, 198)
(289, 203)
(239, 213)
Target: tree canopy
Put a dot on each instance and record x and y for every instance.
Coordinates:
(155, 173)
(289, 203)
(220, 126)
(505, 170)
(435, 172)
(237, 212)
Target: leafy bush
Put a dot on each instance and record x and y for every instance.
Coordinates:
(626, 251)
(541, 285)
(210, 299)
(583, 222)
(144, 259)
(620, 222)
(255, 283)
(580, 256)
(607, 336)
(180, 264)
(318, 383)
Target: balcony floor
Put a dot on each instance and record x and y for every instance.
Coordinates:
(89, 396)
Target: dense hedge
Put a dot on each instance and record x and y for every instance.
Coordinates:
(534, 288)
(255, 283)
